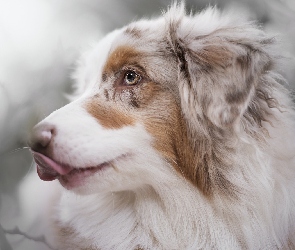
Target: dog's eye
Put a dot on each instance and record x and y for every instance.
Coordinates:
(131, 78)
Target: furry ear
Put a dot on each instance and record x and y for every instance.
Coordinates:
(220, 62)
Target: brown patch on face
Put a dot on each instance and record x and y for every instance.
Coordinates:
(107, 115)
(120, 57)
(201, 158)
(172, 140)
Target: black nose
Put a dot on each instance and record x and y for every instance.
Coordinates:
(41, 137)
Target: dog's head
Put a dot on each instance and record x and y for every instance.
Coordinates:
(159, 100)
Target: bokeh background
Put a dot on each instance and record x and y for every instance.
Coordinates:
(40, 40)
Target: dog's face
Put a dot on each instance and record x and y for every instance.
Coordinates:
(158, 98)
(120, 132)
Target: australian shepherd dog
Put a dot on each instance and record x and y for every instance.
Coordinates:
(181, 136)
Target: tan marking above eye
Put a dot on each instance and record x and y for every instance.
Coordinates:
(120, 57)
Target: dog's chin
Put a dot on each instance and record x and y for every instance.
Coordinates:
(79, 180)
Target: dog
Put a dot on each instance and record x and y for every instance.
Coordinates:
(181, 136)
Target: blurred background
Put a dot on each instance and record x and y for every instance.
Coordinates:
(40, 40)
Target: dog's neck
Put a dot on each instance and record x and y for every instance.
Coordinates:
(176, 215)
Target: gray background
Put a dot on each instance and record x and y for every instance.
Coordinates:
(40, 40)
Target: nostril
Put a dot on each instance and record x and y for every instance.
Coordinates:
(45, 137)
(41, 136)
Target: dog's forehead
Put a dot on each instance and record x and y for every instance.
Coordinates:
(137, 40)
(141, 41)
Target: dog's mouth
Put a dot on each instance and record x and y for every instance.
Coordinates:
(49, 170)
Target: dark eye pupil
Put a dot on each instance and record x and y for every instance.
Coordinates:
(130, 77)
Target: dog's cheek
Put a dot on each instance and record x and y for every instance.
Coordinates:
(108, 115)
(147, 94)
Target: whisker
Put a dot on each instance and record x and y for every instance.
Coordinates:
(13, 151)
(17, 149)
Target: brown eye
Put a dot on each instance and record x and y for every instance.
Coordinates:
(131, 78)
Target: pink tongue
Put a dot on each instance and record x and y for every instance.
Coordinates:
(48, 169)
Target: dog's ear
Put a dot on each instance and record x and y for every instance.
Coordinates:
(220, 62)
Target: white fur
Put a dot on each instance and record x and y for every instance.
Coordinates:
(145, 202)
